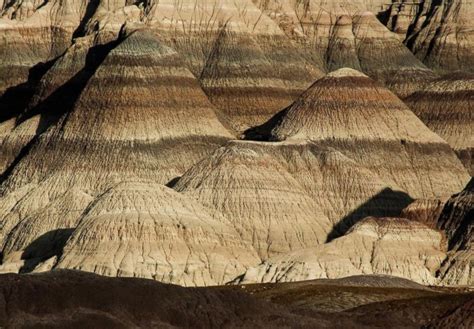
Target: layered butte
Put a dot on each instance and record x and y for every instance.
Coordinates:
(350, 112)
(339, 34)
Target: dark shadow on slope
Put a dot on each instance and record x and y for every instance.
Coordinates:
(16, 99)
(387, 203)
(62, 100)
(90, 11)
(44, 247)
(263, 133)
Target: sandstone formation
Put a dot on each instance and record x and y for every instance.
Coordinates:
(151, 231)
(440, 33)
(446, 107)
(288, 196)
(392, 246)
(350, 112)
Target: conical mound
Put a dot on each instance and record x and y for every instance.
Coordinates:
(391, 246)
(284, 197)
(264, 202)
(446, 107)
(350, 112)
(142, 114)
(150, 231)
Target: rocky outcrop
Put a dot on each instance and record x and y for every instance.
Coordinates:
(150, 231)
(445, 106)
(351, 113)
(438, 32)
(393, 246)
(456, 221)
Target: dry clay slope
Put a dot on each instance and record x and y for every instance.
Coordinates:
(393, 246)
(288, 196)
(246, 65)
(150, 231)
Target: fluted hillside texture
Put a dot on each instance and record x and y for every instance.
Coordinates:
(201, 142)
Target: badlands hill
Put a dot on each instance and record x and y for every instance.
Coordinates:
(366, 122)
(119, 128)
(256, 55)
(283, 197)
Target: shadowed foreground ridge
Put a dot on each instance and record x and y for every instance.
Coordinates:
(29, 301)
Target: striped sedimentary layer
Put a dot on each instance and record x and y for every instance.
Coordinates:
(350, 112)
(287, 196)
(246, 65)
(456, 221)
(446, 107)
(393, 246)
(141, 115)
(344, 34)
(150, 231)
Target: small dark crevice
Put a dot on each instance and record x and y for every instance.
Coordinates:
(263, 133)
(172, 183)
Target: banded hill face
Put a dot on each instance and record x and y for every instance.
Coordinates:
(446, 107)
(347, 34)
(151, 231)
(363, 120)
